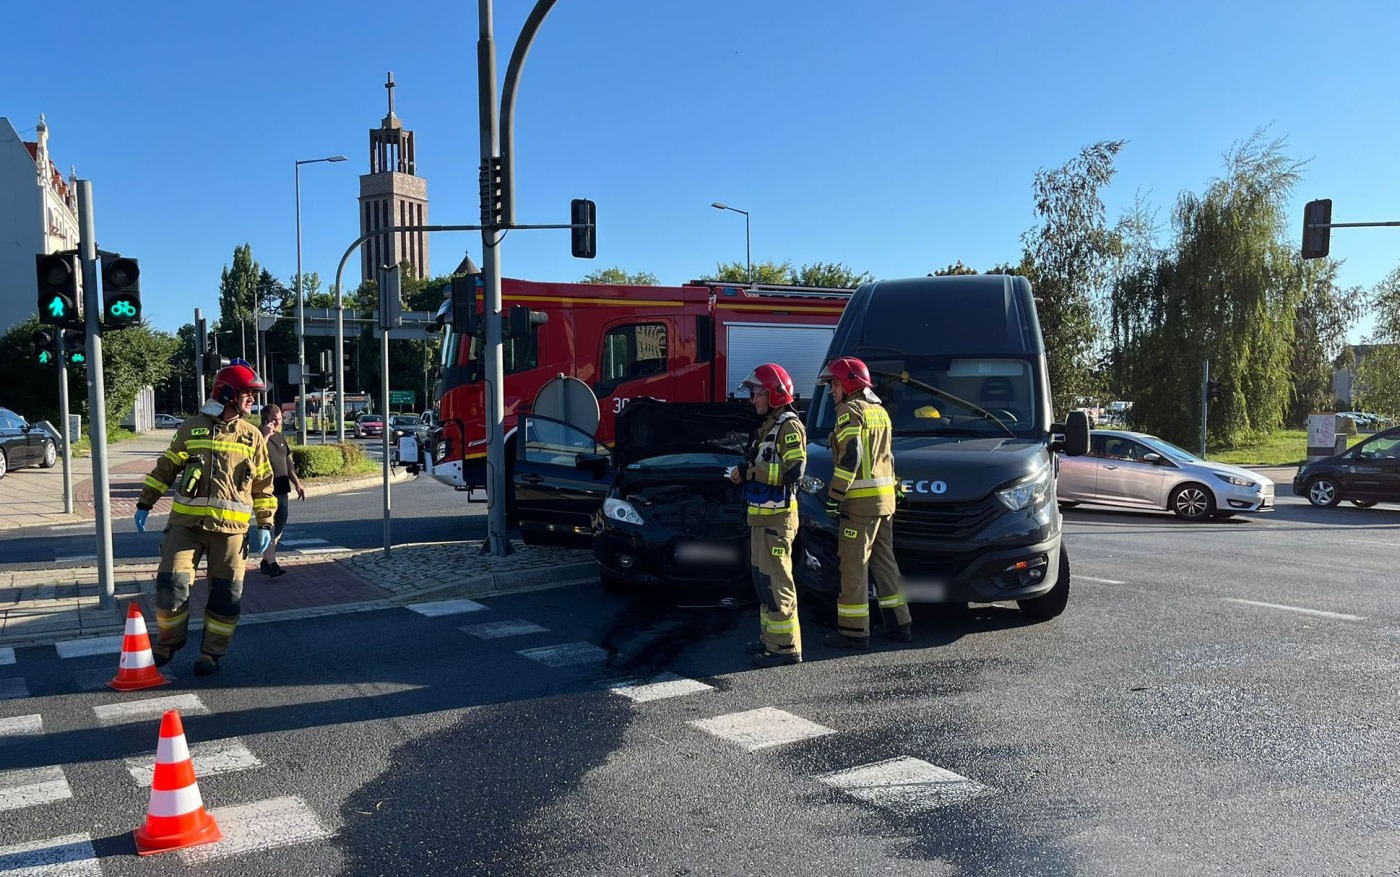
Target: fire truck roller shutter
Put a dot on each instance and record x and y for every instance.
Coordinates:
(799, 349)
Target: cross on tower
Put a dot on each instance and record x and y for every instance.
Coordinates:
(390, 86)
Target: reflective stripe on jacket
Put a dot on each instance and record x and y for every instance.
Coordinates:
(863, 477)
(221, 475)
(778, 463)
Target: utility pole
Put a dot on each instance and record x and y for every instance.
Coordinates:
(1205, 404)
(97, 413)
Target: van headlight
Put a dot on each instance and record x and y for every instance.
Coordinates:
(621, 510)
(1031, 491)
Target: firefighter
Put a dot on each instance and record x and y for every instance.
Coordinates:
(776, 461)
(219, 466)
(861, 499)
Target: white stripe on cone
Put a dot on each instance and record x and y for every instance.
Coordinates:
(136, 660)
(136, 624)
(176, 802)
(172, 750)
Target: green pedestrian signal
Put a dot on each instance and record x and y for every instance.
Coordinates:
(45, 347)
(121, 292)
(57, 275)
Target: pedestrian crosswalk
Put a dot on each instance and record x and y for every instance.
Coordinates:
(905, 783)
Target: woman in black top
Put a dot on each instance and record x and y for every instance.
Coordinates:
(284, 478)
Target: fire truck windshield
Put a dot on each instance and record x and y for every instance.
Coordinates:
(518, 354)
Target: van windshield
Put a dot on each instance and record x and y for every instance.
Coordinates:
(1003, 386)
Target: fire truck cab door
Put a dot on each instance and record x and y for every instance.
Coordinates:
(561, 477)
(634, 362)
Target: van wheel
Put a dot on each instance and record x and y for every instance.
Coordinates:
(1192, 502)
(1323, 493)
(1052, 604)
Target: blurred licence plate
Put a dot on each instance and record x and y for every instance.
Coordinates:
(706, 552)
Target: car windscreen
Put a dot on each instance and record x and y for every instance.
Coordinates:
(1003, 386)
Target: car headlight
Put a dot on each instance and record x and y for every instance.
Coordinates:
(1236, 480)
(812, 484)
(621, 510)
(1029, 492)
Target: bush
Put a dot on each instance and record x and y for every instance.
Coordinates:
(316, 460)
(352, 453)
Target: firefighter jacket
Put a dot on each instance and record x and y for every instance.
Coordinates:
(777, 461)
(863, 477)
(221, 475)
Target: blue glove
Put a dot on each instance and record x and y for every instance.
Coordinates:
(833, 509)
(140, 517)
(259, 541)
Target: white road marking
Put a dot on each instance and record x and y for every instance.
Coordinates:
(499, 629)
(82, 648)
(261, 825)
(31, 786)
(330, 549)
(565, 655)
(13, 689)
(761, 728)
(153, 708)
(1339, 616)
(292, 542)
(94, 680)
(58, 528)
(905, 784)
(18, 727)
(210, 758)
(7, 656)
(75, 558)
(69, 856)
(446, 607)
(1083, 578)
(657, 687)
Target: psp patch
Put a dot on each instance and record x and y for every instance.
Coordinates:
(779, 551)
(793, 438)
(851, 534)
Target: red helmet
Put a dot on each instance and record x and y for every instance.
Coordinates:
(774, 378)
(233, 378)
(850, 373)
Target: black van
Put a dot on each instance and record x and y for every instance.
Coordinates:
(959, 364)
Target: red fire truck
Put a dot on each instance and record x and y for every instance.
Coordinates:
(692, 343)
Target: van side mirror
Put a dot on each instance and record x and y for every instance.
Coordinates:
(1074, 435)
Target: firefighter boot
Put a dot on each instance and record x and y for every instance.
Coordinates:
(900, 633)
(205, 665)
(841, 641)
(755, 648)
(771, 659)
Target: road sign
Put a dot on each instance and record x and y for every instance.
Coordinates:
(402, 397)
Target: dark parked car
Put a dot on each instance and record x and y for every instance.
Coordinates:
(24, 444)
(1366, 473)
(657, 507)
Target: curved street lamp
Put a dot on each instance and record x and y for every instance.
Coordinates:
(748, 252)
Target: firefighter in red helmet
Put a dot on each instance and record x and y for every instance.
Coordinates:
(861, 499)
(776, 461)
(222, 508)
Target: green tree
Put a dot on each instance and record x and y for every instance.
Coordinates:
(617, 277)
(957, 268)
(1320, 325)
(1378, 372)
(763, 272)
(834, 275)
(134, 358)
(1072, 251)
(238, 290)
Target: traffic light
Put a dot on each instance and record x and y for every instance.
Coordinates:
(121, 292)
(1213, 391)
(519, 321)
(45, 347)
(584, 219)
(201, 333)
(464, 292)
(75, 346)
(213, 362)
(1317, 241)
(58, 288)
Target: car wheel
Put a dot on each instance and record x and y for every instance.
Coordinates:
(1363, 503)
(1192, 502)
(1223, 515)
(4, 465)
(1051, 604)
(1323, 493)
(50, 456)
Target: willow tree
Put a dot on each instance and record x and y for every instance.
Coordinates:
(1378, 372)
(1325, 314)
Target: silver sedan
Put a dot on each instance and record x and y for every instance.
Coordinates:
(1136, 470)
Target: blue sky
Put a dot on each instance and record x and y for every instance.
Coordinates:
(895, 136)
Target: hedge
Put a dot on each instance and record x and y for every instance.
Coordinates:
(317, 460)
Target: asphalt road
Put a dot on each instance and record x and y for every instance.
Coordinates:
(1218, 699)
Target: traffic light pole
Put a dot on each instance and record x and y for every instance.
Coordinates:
(63, 427)
(97, 413)
(1205, 404)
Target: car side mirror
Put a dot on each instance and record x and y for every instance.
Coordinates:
(1152, 457)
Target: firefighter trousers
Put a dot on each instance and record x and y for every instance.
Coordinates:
(866, 550)
(179, 555)
(770, 553)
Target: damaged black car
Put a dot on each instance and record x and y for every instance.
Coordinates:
(657, 507)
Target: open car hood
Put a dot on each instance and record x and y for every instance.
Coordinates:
(648, 428)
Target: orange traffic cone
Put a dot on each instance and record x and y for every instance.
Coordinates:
(137, 668)
(176, 818)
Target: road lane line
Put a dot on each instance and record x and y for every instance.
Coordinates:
(261, 825)
(7, 656)
(31, 786)
(20, 728)
(657, 687)
(1317, 612)
(761, 728)
(69, 856)
(1074, 575)
(565, 655)
(446, 607)
(13, 689)
(499, 629)
(82, 648)
(140, 710)
(75, 558)
(210, 757)
(288, 543)
(905, 784)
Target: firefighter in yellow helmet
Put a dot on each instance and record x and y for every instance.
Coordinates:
(219, 467)
(861, 499)
(777, 460)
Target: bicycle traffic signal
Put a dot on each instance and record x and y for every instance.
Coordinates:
(75, 346)
(58, 288)
(45, 347)
(121, 292)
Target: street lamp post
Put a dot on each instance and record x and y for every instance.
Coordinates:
(301, 318)
(748, 251)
